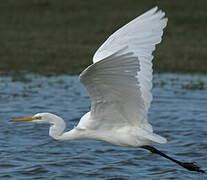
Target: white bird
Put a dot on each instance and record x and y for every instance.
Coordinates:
(119, 83)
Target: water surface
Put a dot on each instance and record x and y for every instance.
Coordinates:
(178, 112)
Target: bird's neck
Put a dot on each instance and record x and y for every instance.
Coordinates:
(57, 131)
(57, 128)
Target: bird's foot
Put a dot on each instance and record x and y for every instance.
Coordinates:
(192, 167)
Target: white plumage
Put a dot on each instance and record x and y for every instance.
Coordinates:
(120, 80)
(119, 83)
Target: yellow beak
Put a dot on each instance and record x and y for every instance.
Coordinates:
(23, 119)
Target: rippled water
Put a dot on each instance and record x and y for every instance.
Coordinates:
(178, 112)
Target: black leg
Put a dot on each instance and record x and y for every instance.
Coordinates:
(189, 166)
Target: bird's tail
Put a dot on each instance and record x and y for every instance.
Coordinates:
(152, 137)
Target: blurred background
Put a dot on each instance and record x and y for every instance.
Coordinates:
(50, 36)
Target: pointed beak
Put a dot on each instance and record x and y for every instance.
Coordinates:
(23, 119)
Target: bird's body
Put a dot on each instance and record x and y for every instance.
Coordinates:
(123, 136)
(119, 83)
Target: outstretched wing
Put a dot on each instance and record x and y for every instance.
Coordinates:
(119, 81)
(140, 35)
(114, 90)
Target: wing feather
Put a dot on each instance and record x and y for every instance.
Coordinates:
(114, 90)
(120, 80)
(140, 35)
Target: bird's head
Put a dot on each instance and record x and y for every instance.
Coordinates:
(57, 124)
(46, 118)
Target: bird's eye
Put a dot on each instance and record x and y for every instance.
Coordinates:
(38, 117)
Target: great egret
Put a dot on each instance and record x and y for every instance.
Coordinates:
(119, 83)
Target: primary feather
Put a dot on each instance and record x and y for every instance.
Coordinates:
(140, 35)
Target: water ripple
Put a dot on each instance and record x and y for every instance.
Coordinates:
(178, 112)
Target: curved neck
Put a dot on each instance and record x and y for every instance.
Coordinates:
(57, 130)
(57, 127)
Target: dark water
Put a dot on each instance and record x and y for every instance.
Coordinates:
(178, 112)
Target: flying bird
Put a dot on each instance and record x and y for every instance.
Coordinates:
(119, 84)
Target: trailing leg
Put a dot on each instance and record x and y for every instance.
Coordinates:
(189, 166)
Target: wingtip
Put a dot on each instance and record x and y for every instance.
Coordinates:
(156, 8)
(153, 10)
